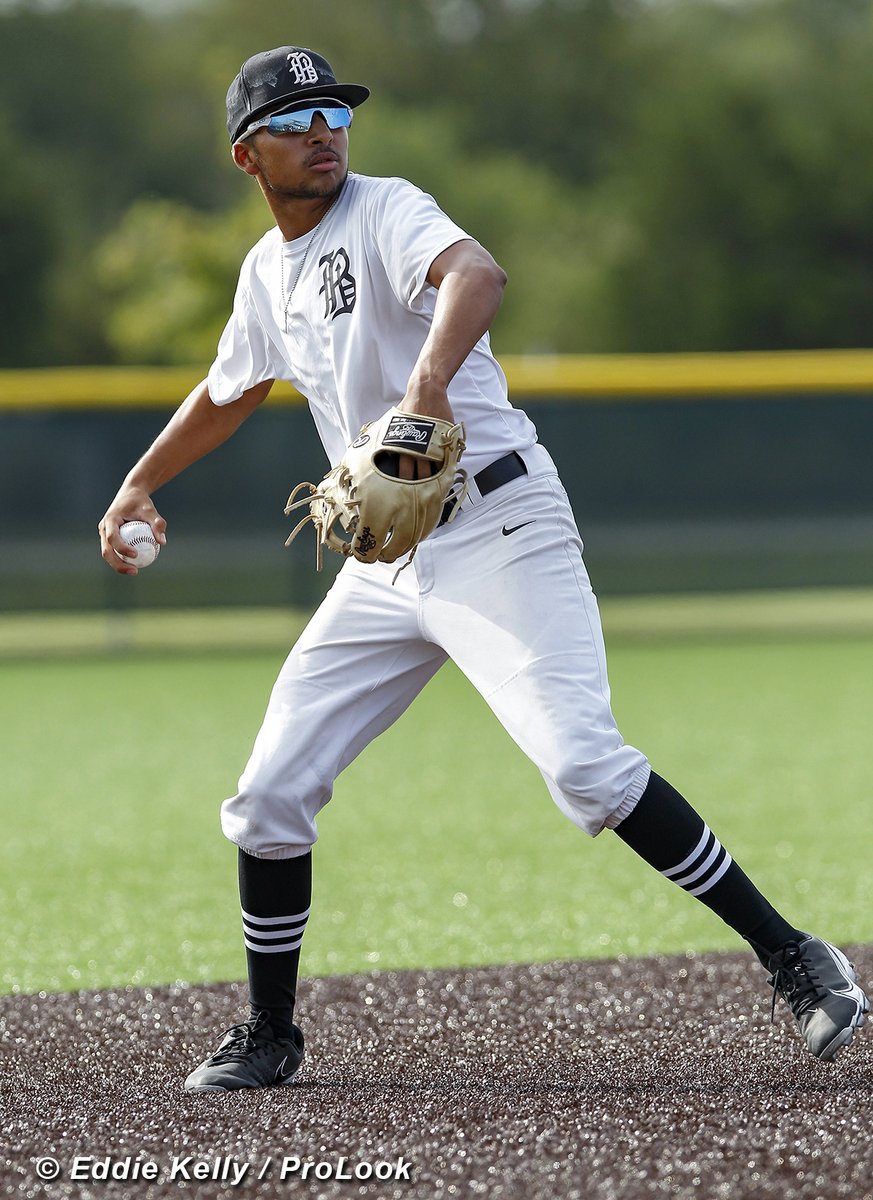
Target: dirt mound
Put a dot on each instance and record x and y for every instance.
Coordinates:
(638, 1078)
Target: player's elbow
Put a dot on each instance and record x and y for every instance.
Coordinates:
(490, 280)
(498, 280)
(491, 270)
(500, 277)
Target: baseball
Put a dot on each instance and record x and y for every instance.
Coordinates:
(139, 536)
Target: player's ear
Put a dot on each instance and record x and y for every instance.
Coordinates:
(242, 155)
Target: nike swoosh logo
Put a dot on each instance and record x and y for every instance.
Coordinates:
(515, 528)
(281, 1073)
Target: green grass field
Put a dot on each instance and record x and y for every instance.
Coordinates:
(115, 871)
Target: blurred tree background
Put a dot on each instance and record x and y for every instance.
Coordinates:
(684, 175)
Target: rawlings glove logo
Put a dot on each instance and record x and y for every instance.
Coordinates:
(408, 433)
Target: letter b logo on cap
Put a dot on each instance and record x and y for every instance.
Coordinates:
(300, 65)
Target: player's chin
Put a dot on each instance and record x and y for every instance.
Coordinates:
(323, 185)
(333, 181)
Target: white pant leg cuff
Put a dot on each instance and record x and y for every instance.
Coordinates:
(632, 797)
(284, 852)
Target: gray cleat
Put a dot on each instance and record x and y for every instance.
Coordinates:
(818, 983)
(249, 1057)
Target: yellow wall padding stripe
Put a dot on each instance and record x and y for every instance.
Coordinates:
(86, 388)
(692, 375)
(572, 377)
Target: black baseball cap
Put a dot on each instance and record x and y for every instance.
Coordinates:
(269, 82)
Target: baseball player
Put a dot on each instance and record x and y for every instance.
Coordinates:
(368, 298)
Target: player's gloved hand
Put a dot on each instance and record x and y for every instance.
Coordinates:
(424, 398)
(366, 497)
(131, 504)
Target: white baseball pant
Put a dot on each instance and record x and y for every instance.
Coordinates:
(503, 591)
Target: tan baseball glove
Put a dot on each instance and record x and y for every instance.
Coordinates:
(362, 507)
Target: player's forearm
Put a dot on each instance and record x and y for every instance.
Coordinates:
(470, 288)
(196, 428)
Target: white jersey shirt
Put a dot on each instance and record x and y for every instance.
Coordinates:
(342, 314)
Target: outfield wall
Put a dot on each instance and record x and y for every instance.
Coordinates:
(697, 472)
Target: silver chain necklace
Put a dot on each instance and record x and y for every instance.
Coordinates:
(312, 237)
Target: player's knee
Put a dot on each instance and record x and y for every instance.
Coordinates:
(585, 781)
(589, 790)
(268, 825)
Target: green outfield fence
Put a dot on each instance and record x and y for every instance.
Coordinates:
(701, 472)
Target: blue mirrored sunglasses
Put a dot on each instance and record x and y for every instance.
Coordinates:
(300, 121)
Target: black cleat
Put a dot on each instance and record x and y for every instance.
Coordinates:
(818, 982)
(249, 1057)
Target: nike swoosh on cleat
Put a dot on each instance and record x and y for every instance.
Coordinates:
(515, 528)
(281, 1073)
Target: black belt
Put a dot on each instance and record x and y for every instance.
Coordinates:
(490, 478)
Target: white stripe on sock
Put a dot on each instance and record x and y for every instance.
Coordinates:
(686, 862)
(713, 879)
(274, 935)
(282, 949)
(703, 868)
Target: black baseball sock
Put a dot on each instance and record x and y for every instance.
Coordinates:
(666, 831)
(275, 896)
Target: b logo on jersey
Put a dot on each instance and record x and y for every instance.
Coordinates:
(300, 66)
(338, 284)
